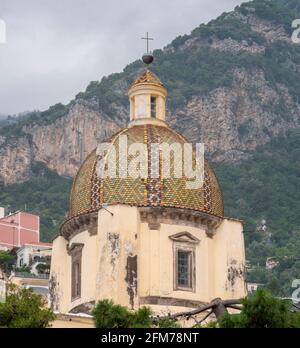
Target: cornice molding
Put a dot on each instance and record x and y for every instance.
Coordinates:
(155, 216)
(87, 222)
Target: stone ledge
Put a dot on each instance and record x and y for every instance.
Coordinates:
(170, 301)
(154, 216)
(87, 222)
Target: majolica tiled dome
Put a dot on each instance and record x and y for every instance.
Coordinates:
(89, 192)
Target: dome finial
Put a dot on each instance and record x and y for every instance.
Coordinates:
(147, 57)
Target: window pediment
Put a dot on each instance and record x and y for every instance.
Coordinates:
(75, 248)
(184, 237)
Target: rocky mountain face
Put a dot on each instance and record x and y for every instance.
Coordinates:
(232, 112)
(16, 160)
(235, 120)
(62, 145)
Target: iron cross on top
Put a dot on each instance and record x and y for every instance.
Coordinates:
(148, 39)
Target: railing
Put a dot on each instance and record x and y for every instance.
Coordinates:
(30, 275)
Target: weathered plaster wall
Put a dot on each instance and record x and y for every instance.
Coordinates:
(60, 281)
(88, 267)
(117, 269)
(131, 264)
(229, 255)
(157, 257)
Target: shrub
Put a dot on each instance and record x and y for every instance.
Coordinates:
(24, 309)
(142, 318)
(6, 260)
(261, 310)
(23, 269)
(43, 268)
(168, 323)
(109, 315)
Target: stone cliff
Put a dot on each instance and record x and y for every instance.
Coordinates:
(231, 120)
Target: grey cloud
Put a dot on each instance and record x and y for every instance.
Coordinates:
(55, 48)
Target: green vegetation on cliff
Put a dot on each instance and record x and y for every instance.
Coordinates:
(266, 187)
(45, 194)
(277, 11)
(189, 72)
(15, 129)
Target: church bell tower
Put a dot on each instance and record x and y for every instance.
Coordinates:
(147, 96)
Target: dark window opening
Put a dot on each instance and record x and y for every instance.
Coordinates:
(76, 280)
(184, 269)
(153, 106)
(76, 255)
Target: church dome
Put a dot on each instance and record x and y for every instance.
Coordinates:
(89, 192)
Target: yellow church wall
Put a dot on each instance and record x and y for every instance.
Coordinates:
(211, 266)
(229, 255)
(88, 266)
(60, 275)
(216, 258)
(61, 270)
(117, 237)
(128, 262)
(157, 258)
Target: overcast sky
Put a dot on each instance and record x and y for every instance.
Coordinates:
(55, 48)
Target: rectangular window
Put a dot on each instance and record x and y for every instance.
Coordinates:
(76, 259)
(184, 269)
(153, 106)
(76, 279)
(184, 261)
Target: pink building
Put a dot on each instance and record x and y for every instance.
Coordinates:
(18, 229)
